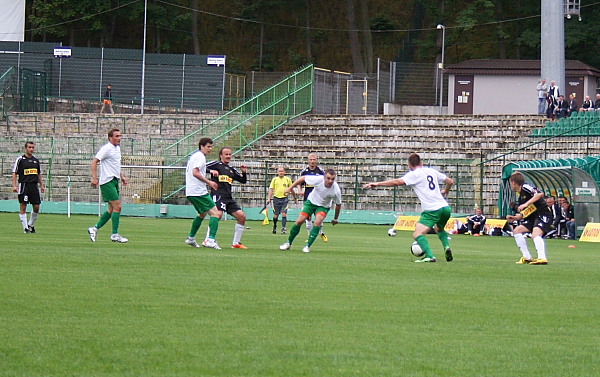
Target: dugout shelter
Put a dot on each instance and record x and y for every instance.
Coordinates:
(578, 179)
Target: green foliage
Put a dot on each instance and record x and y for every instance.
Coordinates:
(356, 306)
(475, 29)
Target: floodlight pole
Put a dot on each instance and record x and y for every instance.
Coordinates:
(441, 66)
(144, 58)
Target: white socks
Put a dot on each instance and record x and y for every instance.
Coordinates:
(309, 225)
(237, 234)
(33, 218)
(540, 246)
(23, 218)
(522, 244)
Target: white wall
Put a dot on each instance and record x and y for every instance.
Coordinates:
(504, 94)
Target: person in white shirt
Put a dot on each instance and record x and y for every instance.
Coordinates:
(426, 182)
(109, 159)
(197, 193)
(325, 192)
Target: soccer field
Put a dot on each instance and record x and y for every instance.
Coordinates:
(355, 306)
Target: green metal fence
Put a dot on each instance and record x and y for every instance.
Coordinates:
(255, 118)
(9, 91)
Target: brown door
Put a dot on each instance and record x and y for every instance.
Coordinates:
(574, 84)
(463, 94)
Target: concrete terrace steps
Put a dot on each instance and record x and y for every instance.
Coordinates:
(93, 124)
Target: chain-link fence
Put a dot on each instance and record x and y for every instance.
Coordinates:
(169, 80)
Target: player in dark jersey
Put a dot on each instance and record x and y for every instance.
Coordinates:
(27, 169)
(224, 175)
(535, 217)
(312, 169)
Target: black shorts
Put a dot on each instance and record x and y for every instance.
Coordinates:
(29, 193)
(280, 205)
(226, 205)
(541, 221)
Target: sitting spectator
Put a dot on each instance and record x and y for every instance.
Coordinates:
(597, 103)
(573, 106)
(476, 223)
(569, 214)
(587, 104)
(555, 226)
(562, 107)
(459, 227)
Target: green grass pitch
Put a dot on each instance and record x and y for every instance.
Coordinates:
(355, 306)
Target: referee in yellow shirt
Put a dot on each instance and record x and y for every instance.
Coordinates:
(280, 203)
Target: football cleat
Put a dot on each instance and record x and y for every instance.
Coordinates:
(283, 230)
(118, 238)
(324, 237)
(31, 229)
(192, 242)
(238, 246)
(211, 243)
(426, 260)
(449, 256)
(93, 232)
(26, 230)
(539, 261)
(306, 249)
(274, 230)
(524, 261)
(285, 246)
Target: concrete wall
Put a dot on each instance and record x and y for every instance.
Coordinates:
(510, 95)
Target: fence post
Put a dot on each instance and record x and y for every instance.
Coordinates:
(355, 186)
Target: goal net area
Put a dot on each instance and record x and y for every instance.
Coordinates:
(153, 184)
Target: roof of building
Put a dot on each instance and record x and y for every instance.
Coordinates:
(515, 67)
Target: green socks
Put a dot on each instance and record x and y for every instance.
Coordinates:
(213, 223)
(293, 233)
(195, 226)
(116, 217)
(424, 243)
(314, 233)
(443, 236)
(103, 220)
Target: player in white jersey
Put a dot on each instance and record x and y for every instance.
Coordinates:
(436, 211)
(325, 192)
(197, 193)
(109, 160)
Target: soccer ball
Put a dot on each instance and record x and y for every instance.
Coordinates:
(392, 232)
(416, 250)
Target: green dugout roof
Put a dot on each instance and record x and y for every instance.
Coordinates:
(578, 179)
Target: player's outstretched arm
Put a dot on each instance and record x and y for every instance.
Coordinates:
(388, 183)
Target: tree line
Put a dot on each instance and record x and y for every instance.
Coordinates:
(281, 35)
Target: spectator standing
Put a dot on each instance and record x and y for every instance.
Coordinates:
(553, 91)
(107, 100)
(280, 199)
(542, 89)
(27, 183)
